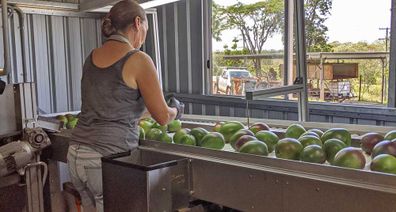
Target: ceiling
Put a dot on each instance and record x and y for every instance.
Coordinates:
(105, 5)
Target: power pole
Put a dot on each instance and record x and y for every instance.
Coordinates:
(392, 63)
(387, 30)
(384, 63)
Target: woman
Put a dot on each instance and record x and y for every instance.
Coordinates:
(117, 85)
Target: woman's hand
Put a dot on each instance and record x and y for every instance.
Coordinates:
(174, 103)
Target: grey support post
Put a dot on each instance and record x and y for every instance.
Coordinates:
(392, 59)
(301, 58)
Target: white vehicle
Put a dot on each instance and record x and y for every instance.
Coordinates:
(224, 81)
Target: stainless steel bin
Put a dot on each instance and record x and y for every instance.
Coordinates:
(143, 180)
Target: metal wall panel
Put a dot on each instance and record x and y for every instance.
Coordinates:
(390, 124)
(183, 51)
(15, 32)
(55, 49)
(196, 46)
(89, 32)
(41, 66)
(197, 109)
(366, 122)
(240, 112)
(319, 118)
(181, 43)
(170, 51)
(163, 45)
(230, 111)
(75, 60)
(292, 116)
(224, 111)
(149, 45)
(57, 46)
(210, 110)
(28, 48)
(257, 113)
(276, 115)
(187, 108)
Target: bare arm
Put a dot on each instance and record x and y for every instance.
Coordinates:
(149, 86)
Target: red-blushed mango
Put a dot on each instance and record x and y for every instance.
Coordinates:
(258, 126)
(369, 140)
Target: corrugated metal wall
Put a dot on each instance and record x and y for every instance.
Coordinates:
(55, 48)
(181, 43)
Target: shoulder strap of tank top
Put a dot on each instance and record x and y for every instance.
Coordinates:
(123, 60)
(121, 63)
(129, 54)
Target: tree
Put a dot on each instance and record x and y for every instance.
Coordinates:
(256, 22)
(316, 13)
(217, 25)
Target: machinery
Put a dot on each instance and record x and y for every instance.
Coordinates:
(21, 144)
(20, 163)
(169, 177)
(17, 156)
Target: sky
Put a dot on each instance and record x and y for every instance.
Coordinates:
(350, 21)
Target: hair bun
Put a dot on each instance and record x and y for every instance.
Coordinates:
(107, 28)
(121, 16)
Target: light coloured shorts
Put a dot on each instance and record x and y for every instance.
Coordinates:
(85, 169)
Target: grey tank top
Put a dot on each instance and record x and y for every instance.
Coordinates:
(110, 110)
